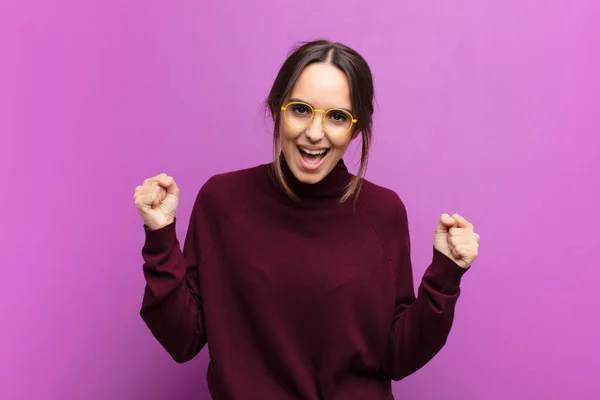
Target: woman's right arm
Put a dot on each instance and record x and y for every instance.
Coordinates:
(172, 305)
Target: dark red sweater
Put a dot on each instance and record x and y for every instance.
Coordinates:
(296, 301)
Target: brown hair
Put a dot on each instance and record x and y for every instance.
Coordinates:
(361, 92)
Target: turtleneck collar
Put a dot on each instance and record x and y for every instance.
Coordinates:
(330, 187)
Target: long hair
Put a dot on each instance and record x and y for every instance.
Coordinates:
(360, 78)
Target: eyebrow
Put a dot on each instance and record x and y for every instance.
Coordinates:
(304, 101)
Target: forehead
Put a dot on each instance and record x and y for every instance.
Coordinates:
(323, 85)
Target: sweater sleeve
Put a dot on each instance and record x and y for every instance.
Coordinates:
(172, 305)
(420, 325)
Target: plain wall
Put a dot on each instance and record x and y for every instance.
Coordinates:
(487, 109)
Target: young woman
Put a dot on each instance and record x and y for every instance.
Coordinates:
(297, 274)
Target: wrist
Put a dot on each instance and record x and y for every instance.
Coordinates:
(158, 226)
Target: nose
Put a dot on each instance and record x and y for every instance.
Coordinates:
(315, 130)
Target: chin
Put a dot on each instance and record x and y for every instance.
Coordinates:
(309, 179)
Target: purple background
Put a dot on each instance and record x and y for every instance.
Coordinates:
(488, 109)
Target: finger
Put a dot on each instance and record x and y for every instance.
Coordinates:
(162, 194)
(155, 191)
(165, 181)
(158, 190)
(467, 232)
(169, 184)
(462, 222)
(153, 202)
(444, 222)
(143, 200)
(154, 178)
(463, 240)
(456, 252)
(143, 190)
(454, 232)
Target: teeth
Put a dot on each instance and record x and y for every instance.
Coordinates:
(313, 152)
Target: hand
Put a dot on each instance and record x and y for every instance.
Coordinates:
(157, 200)
(455, 237)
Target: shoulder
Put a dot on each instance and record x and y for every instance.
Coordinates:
(228, 189)
(382, 205)
(236, 180)
(379, 199)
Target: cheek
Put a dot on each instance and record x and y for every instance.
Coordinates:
(285, 133)
(341, 144)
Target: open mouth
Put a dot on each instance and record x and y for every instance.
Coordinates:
(312, 158)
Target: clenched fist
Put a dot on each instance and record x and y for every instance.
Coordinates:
(157, 200)
(456, 238)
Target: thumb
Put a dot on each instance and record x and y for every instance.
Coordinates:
(444, 223)
(170, 186)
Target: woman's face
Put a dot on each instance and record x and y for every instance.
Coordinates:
(323, 86)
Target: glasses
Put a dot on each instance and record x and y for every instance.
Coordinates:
(336, 122)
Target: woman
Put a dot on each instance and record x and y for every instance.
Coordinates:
(297, 273)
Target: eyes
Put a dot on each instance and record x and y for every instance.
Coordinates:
(301, 109)
(334, 115)
(338, 116)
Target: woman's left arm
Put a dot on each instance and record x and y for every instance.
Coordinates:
(421, 325)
